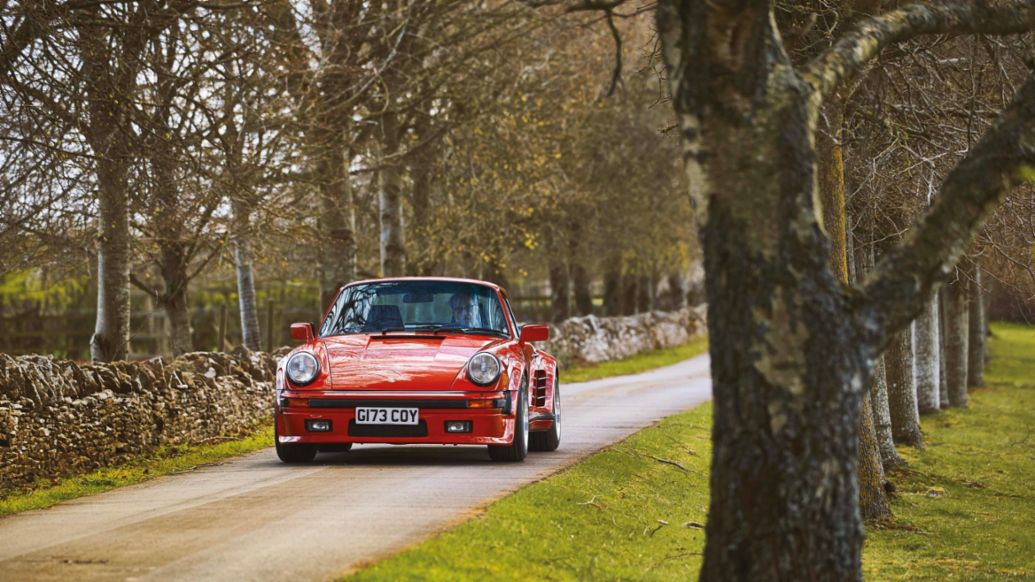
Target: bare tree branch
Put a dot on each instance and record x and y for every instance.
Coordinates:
(849, 55)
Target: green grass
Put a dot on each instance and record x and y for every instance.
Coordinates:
(620, 514)
(966, 505)
(173, 459)
(965, 508)
(641, 362)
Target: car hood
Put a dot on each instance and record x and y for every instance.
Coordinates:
(400, 362)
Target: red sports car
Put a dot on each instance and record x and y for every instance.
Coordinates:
(418, 361)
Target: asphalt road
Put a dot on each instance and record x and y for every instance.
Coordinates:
(253, 518)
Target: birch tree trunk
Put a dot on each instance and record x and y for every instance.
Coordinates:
(978, 331)
(943, 380)
(957, 328)
(248, 307)
(928, 356)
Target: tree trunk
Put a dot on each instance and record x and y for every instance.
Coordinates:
(248, 307)
(787, 372)
(337, 214)
(791, 350)
(898, 363)
(943, 379)
(581, 288)
(389, 198)
(612, 292)
(977, 331)
(873, 500)
(882, 416)
(928, 360)
(560, 291)
(630, 293)
(110, 339)
(957, 327)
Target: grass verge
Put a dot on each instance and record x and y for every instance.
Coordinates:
(635, 510)
(641, 362)
(166, 460)
(966, 504)
(632, 511)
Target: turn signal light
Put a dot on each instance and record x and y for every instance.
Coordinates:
(294, 402)
(486, 403)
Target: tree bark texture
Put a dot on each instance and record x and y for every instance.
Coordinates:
(389, 197)
(882, 416)
(108, 82)
(943, 380)
(248, 307)
(873, 499)
(337, 213)
(905, 417)
(790, 350)
(612, 292)
(581, 282)
(957, 331)
(978, 331)
(560, 290)
(928, 359)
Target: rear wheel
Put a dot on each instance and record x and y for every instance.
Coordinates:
(292, 453)
(517, 450)
(550, 439)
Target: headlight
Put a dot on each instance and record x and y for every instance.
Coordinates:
(484, 369)
(302, 368)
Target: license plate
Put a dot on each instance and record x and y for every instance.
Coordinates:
(378, 415)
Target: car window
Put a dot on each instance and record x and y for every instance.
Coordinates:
(416, 306)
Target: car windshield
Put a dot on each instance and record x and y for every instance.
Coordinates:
(419, 306)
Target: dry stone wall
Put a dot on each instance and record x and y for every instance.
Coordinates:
(592, 339)
(59, 418)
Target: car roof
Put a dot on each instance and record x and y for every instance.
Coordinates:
(449, 279)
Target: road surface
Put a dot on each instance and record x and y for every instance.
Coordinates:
(253, 518)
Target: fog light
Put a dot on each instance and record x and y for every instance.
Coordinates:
(458, 426)
(318, 425)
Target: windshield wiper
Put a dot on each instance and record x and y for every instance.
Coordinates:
(437, 328)
(482, 330)
(385, 330)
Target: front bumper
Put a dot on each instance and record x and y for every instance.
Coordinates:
(492, 420)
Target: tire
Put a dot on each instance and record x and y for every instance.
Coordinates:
(288, 453)
(517, 450)
(550, 439)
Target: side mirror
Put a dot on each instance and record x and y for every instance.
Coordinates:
(534, 333)
(302, 332)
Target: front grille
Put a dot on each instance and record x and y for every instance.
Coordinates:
(388, 430)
